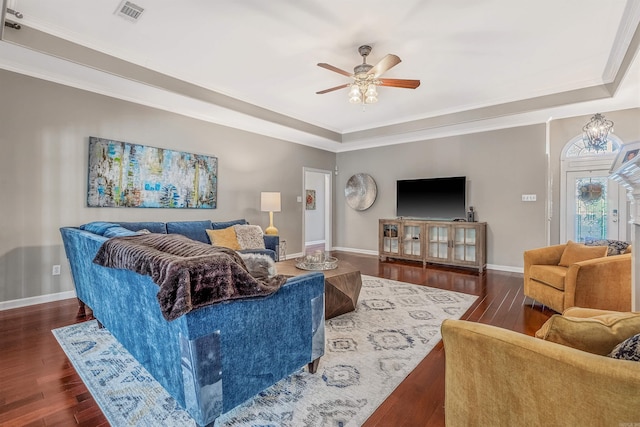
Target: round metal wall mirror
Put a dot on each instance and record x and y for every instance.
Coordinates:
(361, 191)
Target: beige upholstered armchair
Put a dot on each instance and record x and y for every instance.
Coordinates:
(498, 377)
(572, 274)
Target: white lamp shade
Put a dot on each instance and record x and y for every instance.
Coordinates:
(270, 201)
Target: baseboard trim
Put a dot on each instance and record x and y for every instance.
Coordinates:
(293, 256)
(24, 302)
(506, 268)
(357, 251)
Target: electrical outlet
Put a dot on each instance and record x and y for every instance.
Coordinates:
(55, 271)
(528, 197)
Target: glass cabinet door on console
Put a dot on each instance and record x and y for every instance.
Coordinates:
(438, 241)
(464, 244)
(412, 235)
(389, 241)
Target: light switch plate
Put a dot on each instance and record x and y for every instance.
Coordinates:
(529, 197)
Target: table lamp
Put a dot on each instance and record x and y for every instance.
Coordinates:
(270, 202)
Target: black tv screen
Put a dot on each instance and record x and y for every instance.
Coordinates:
(434, 198)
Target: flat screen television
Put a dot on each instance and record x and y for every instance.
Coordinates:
(433, 198)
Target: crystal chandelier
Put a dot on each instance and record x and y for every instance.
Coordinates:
(595, 133)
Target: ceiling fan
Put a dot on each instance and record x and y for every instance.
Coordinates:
(366, 77)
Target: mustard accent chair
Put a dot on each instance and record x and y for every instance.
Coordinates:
(498, 377)
(602, 283)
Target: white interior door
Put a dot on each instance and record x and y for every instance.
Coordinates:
(596, 206)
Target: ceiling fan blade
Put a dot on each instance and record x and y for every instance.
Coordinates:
(333, 88)
(336, 69)
(384, 65)
(407, 84)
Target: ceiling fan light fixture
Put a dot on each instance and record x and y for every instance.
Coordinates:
(363, 88)
(371, 99)
(355, 97)
(371, 91)
(371, 95)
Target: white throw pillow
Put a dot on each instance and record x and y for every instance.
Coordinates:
(249, 236)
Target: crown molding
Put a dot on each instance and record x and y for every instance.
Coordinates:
(627, 32)
(37, 54)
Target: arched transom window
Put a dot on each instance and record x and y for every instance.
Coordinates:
(578, 148)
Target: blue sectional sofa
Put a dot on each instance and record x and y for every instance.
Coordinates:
(212, 358)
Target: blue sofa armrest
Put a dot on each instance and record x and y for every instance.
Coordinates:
(271, 242)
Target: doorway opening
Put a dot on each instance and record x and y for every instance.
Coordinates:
(316, 211)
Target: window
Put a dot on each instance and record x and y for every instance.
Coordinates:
(578, 149)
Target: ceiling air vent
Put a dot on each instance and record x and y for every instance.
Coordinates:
(129, 11)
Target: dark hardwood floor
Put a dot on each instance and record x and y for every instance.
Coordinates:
(39, 387)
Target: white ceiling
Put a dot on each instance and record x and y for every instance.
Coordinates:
(470, 57)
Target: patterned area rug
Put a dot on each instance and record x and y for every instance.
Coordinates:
(368, 353)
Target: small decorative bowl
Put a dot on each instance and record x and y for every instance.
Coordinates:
(307, 263)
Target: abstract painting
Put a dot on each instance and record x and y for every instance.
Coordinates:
(138, 176)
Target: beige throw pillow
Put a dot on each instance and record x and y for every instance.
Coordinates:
(249, 236)
(576, 252)
(225, 237)
(597, 334)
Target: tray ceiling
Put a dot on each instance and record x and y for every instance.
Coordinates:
(252, 64)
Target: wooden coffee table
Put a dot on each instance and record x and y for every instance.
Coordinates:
(341, 285)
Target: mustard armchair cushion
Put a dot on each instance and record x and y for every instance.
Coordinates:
(552, 275)
(576, 252)
(598, 334)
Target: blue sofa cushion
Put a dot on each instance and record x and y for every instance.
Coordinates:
(195, 230)
(118, 231)
(153, 227)
(98, 227)
(227, 224)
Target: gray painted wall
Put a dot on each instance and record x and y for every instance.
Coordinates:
(499, 165)
(44, 130)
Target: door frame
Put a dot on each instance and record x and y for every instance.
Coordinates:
(600, 162)
(328, 206)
